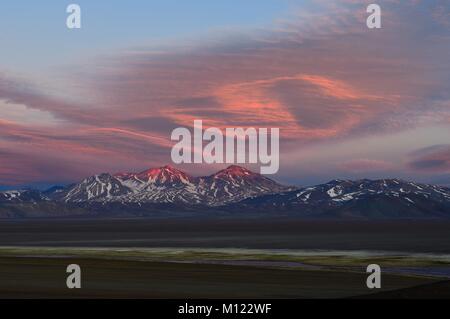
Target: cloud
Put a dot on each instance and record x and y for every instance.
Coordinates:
(319, 75)
(364, 165)
(434, 158)
(21, 113)
(441, 13)
(336, 80)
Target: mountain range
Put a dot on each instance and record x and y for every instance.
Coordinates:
(234, 191)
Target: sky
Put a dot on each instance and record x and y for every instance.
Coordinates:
(350, 102)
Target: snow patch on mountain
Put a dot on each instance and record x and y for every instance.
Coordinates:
(169, 185)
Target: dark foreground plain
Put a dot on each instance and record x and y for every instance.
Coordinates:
(46, 277)
(410, 236)
(29, 270)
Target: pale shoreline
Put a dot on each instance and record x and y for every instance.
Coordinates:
(400, 263)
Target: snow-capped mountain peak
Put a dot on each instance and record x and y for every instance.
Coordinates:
(169, 185)
(165, 174)
(234, 171)
(18, 196)
(234, 189)
(368, 198)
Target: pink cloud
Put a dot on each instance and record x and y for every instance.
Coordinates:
(319, 76)
(364, 165)
(435, 158)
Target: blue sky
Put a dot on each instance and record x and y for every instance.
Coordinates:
(350, 102)
(39, 26)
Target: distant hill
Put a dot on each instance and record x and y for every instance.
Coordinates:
(166, 191)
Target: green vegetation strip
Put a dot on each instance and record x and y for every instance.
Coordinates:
(313, 258)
